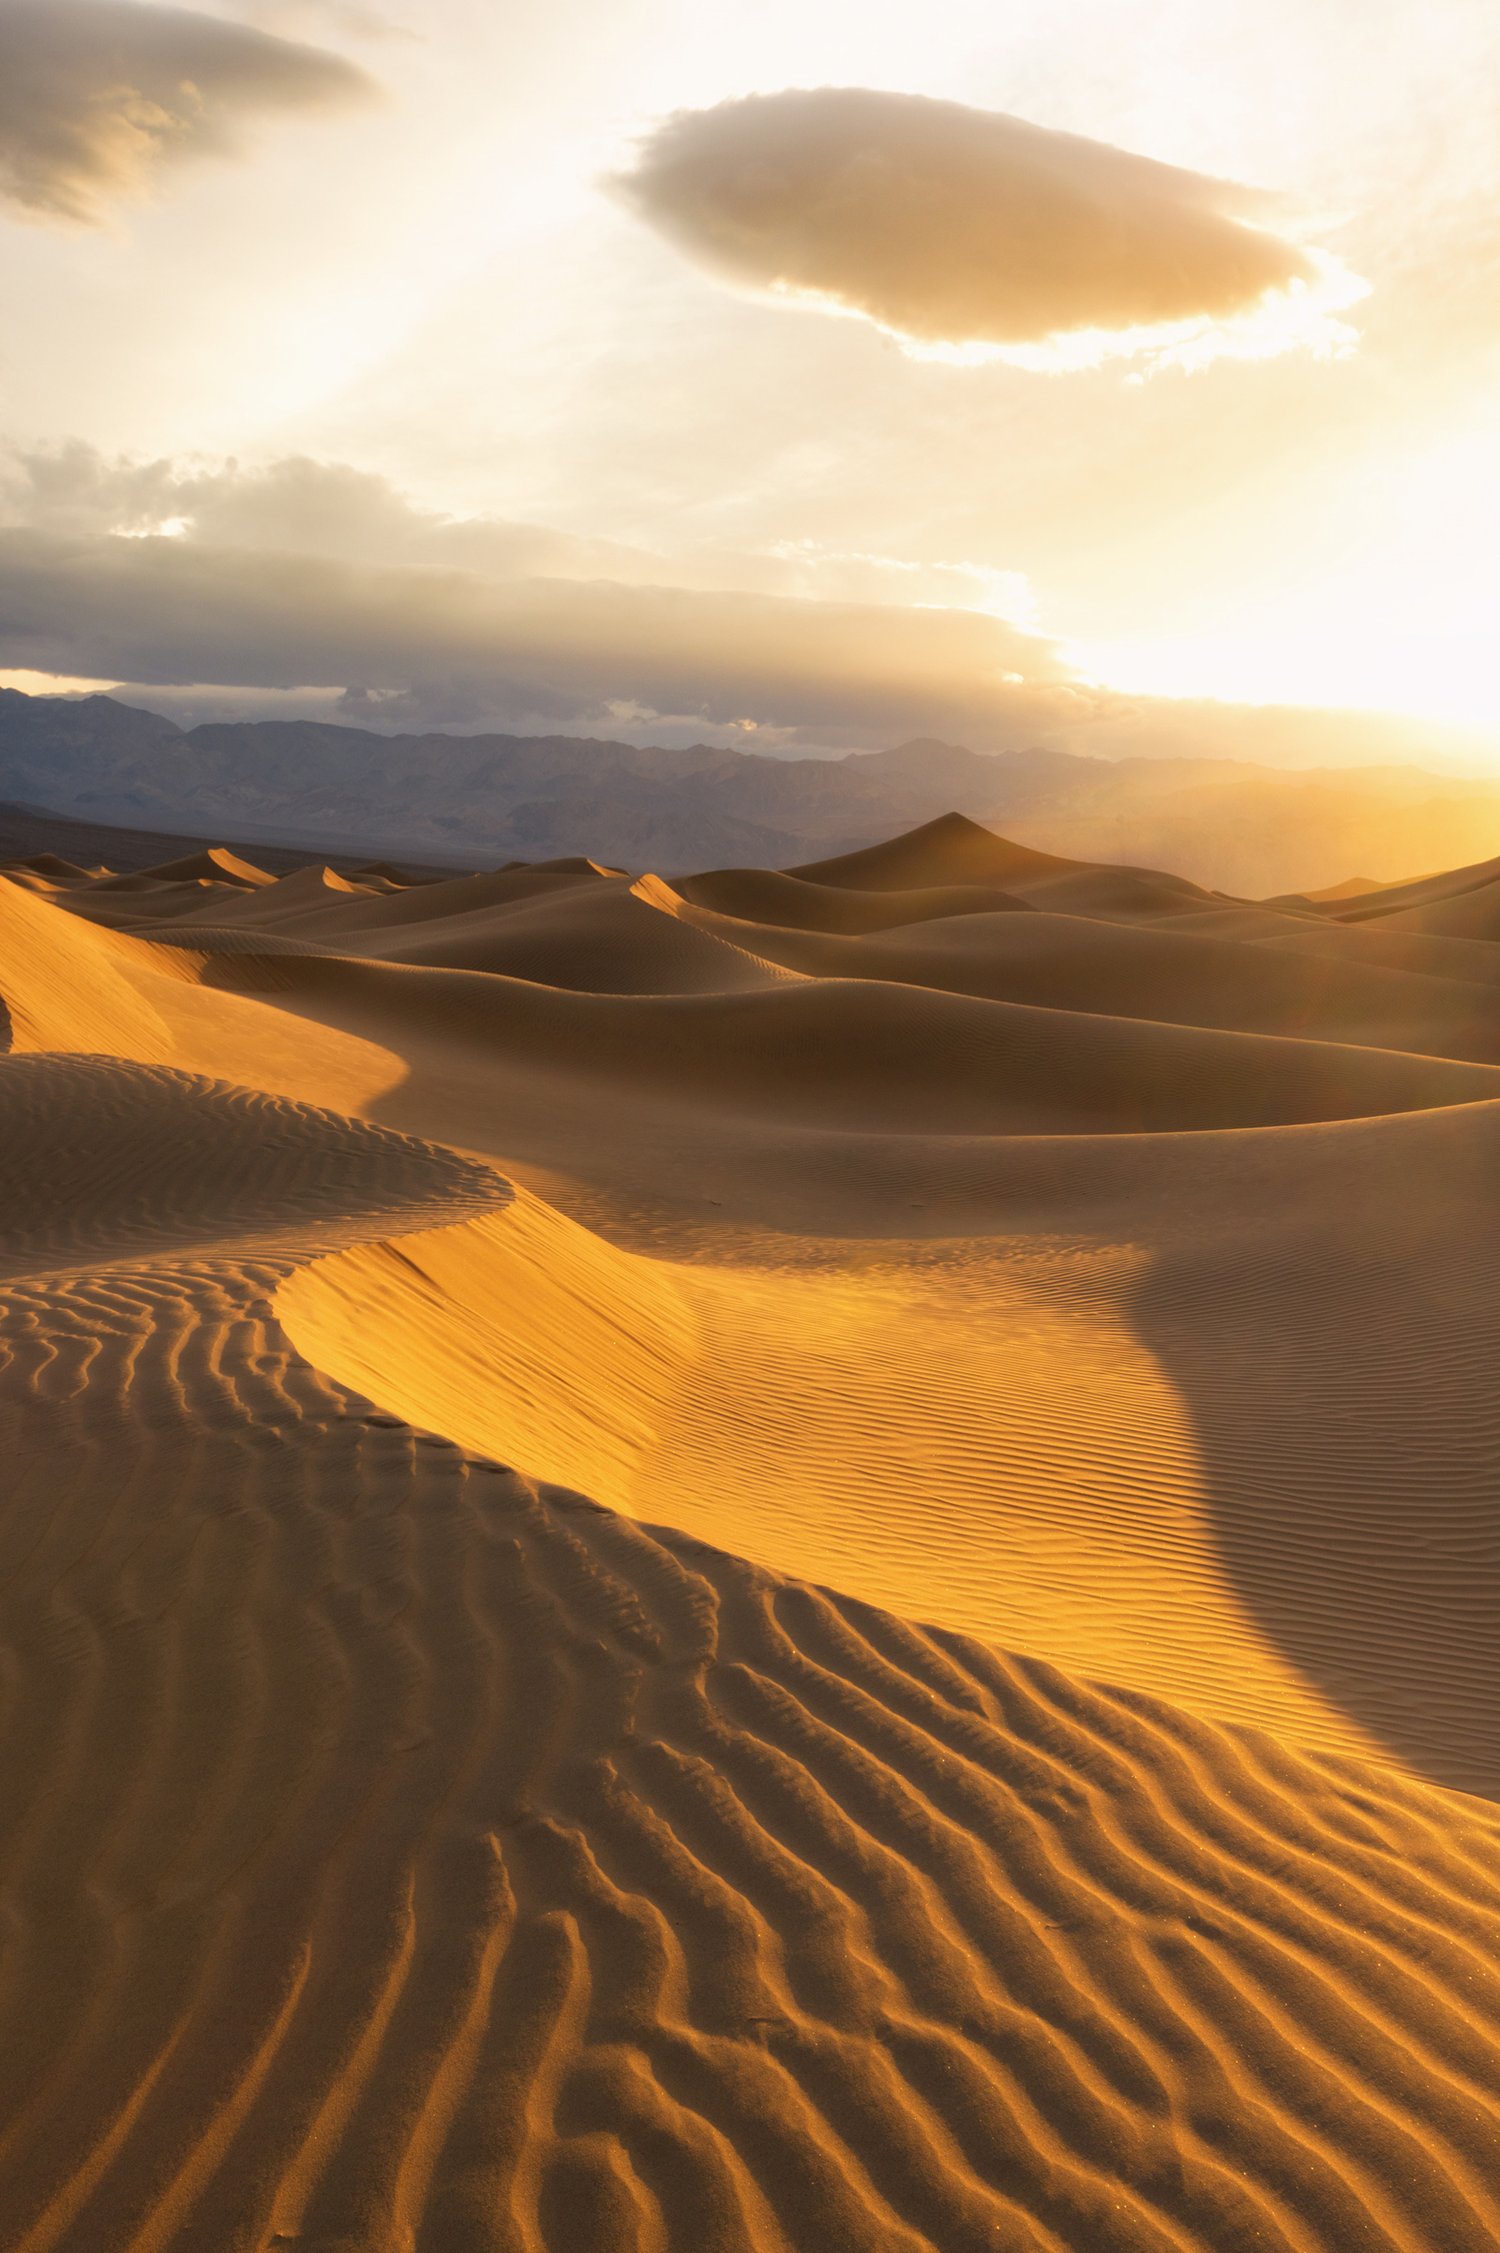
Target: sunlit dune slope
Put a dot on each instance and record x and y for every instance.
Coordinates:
(1128, 1429)
(396, 1853)
(60, 987)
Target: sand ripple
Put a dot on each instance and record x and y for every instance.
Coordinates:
(401, 1855)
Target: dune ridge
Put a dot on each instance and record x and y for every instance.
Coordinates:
(1030, 1480)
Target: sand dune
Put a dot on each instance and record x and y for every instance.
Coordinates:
(1467, 915)
(600, 938)
(1462, 903)
(1472, 961)
(281, 898)
(317, 903)
(950, 850)
(822, 1052)
(955, 851)
(1425, 891)
(216, 866)
(763, 895)
(970, 1717)
(1024, 1438)
(1352, 888)
(1155, 972)
(54, 868)
(60, 987)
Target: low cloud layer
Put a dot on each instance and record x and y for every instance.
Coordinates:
(958, 227)
(570, 653)
(305, 589)
(316, 576)
(334, 510)
(96, 96)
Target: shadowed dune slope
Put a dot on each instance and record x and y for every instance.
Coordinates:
(826, 1051)
(1352, 888)
(1466, 915)
(216, 866)
(950, 850)
(1424, 891)
(107, 1161)
(397, 1853)
(331, 914)
(141, 904)
(955, 851)
(1156, 973)
(933, 1062)
(762, 895)
(590, 938)
(1230, 920)
(58, 870)
(1394, 947)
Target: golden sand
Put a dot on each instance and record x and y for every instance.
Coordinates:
(751, 1564)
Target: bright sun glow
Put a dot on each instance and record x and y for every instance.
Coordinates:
(1407, 623)
(1451, 678)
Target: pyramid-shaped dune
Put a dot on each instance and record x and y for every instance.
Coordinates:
(950, 850)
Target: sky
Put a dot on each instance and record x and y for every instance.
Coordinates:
(807, 376)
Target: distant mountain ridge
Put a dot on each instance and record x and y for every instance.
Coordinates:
(470, 800)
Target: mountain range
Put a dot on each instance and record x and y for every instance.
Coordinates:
(473, 799)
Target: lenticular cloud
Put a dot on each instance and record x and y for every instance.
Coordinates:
(962, 228)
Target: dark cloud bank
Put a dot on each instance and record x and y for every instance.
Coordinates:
(518, 651)
(315, 575)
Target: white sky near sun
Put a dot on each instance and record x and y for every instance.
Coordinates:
(437, 288)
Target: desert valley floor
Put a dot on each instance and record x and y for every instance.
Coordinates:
(762, 1563)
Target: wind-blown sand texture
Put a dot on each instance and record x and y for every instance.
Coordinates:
(751, 1563)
